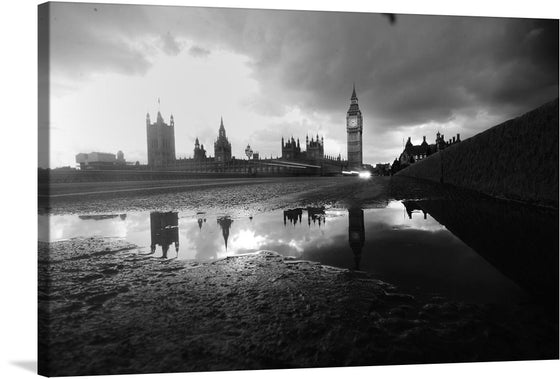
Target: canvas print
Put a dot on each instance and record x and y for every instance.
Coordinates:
(241, 189)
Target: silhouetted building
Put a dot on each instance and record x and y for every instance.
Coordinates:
(199, 151)
(354, 127)
(291, 150)
(161, 141)
(315, 215)
(99, 161)
(382, 169)
(120, 157)
(414, 153)
(225, 223)
(164, 229)
(314, 149)
(222, 147)
(356, 233)
(161, 155)
(293, 215)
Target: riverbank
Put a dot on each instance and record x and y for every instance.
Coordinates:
(114, 309)
(516, 160)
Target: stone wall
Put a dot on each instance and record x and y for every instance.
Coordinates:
(516, 160)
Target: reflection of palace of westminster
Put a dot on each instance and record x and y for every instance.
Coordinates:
(164, 227)
(294, 160)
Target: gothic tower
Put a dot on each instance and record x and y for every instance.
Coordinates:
(354, 125)
(222, 147)
(161, 141)
(199, 151)
(164, 228)
(225, 223)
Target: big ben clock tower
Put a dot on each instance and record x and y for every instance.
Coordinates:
(354, 123)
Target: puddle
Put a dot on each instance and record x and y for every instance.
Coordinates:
(400, 243)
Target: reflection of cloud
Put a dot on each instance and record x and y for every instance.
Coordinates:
(297, 245)
(394, 216)
(247, 240)
(201, 244)
(70, 226)
(264, 233)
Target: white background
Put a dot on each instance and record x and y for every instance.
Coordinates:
(18, 333)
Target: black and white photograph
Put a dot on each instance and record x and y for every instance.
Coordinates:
(225, 189)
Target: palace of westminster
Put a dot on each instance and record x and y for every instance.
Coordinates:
(161, 150)
(296, 159)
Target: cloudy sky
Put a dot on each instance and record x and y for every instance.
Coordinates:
(286, 73)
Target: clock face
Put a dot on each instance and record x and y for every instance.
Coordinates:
(353, 122)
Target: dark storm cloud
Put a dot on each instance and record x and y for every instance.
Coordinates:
(91, 38)
(420, 69)
(416, 70)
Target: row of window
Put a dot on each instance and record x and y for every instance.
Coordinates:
(165, 144)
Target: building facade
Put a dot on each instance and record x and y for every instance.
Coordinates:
(354, 127)
(314, 149)
(222, 147)
(295, 160)
(415, 153)
(199, 151)
(100, 161)
(161, 141)
(291, 149)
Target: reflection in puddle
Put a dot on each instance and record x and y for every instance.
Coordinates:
(164, 228)
(401, 243)
(356, 233)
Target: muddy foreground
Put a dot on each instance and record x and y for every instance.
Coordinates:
(114, 309)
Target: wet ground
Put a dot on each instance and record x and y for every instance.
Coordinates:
(143, 281)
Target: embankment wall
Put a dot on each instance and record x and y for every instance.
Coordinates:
(515, 160)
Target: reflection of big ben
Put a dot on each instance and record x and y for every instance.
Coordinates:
(164, 231)
(225, 223)
(356, 233)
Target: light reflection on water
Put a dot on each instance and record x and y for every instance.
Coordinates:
(399, 243)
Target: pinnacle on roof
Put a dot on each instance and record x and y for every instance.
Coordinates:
(354, 92)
